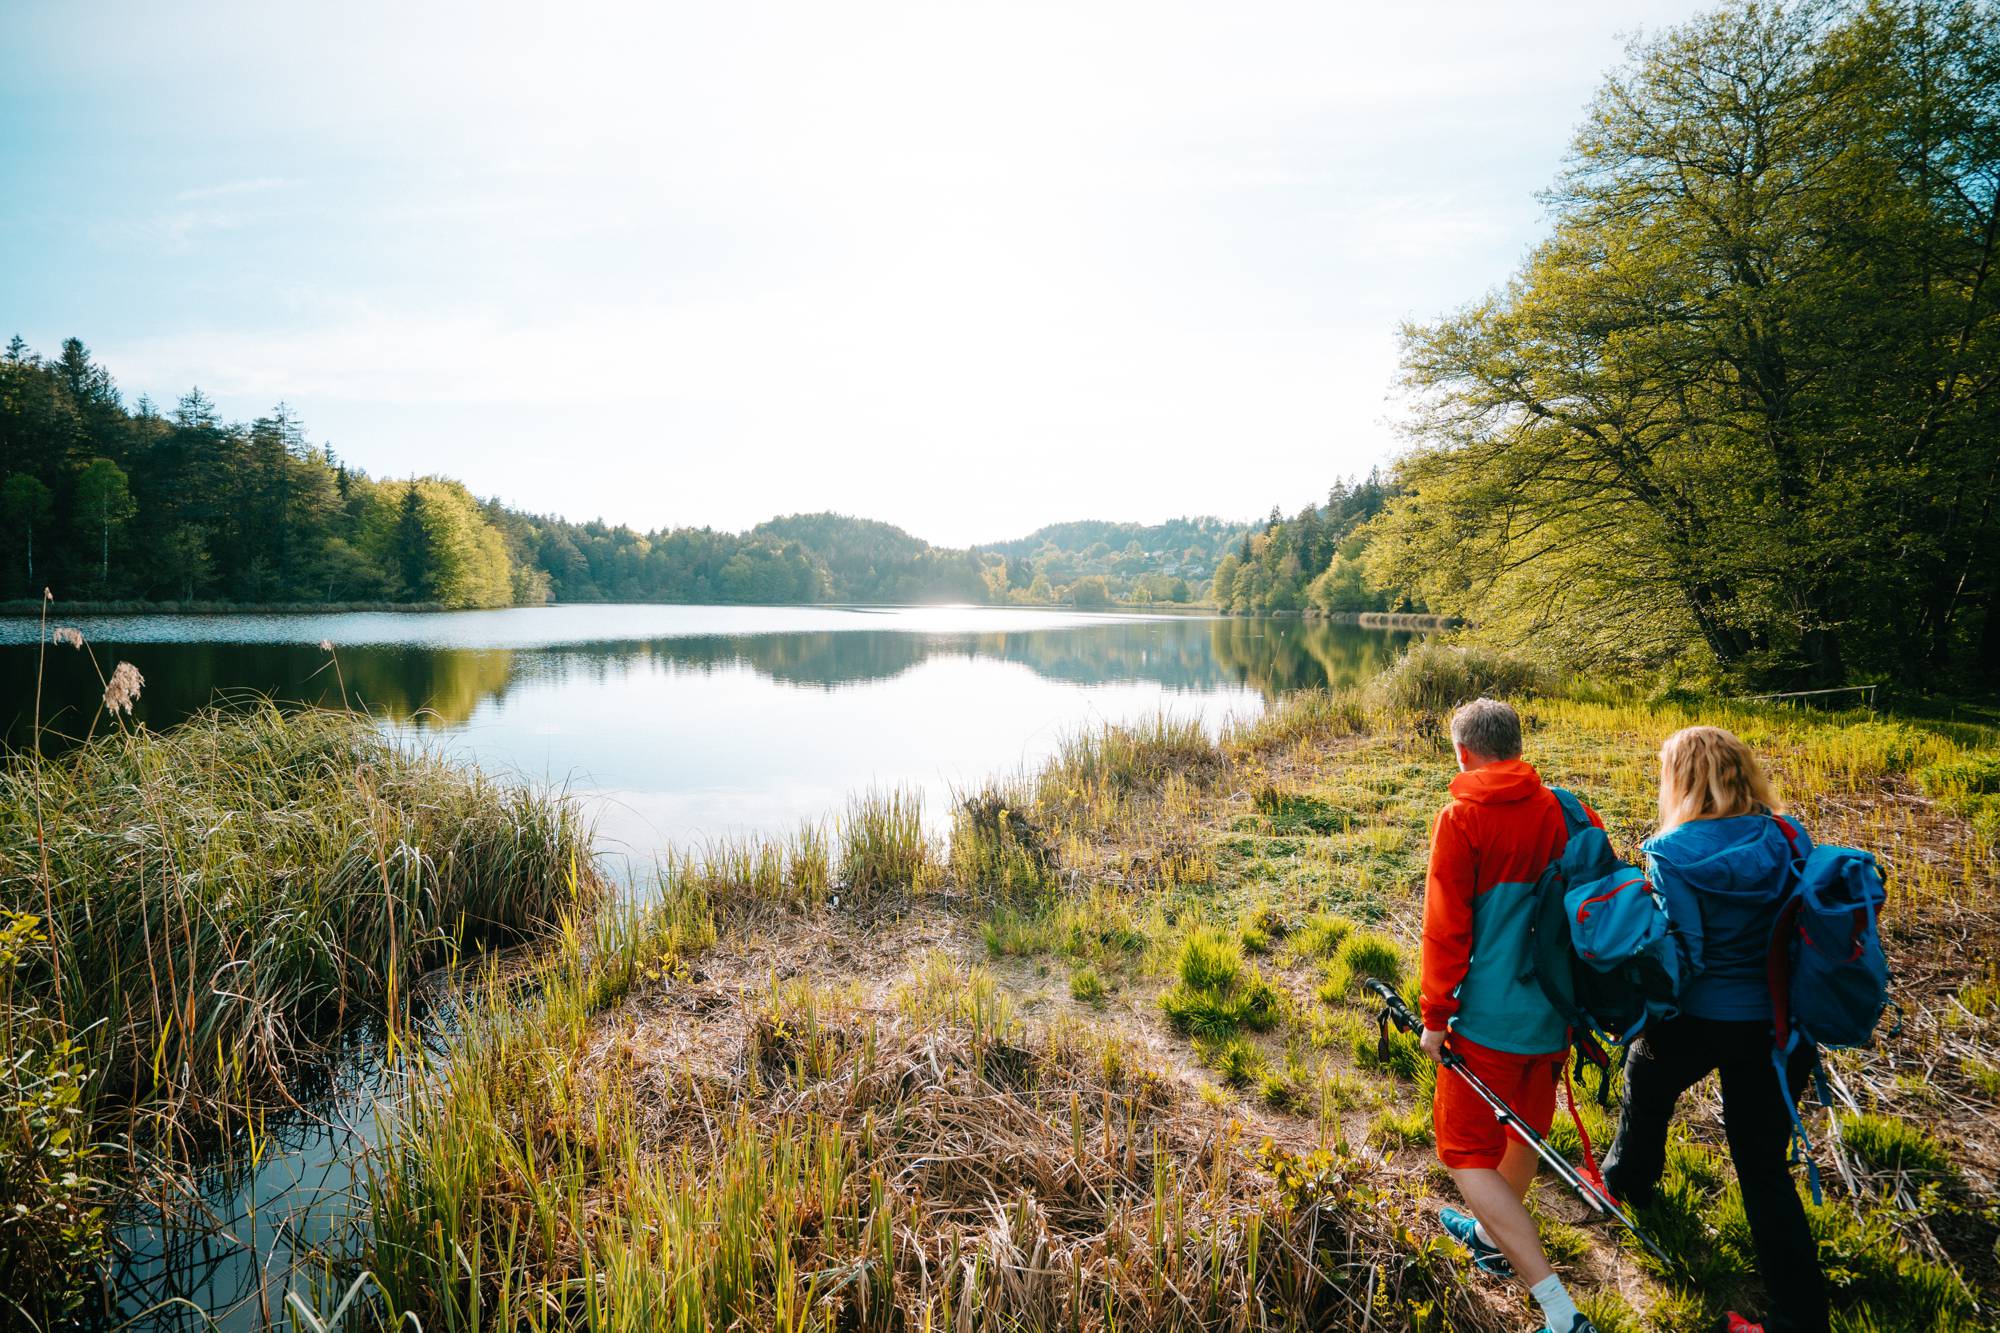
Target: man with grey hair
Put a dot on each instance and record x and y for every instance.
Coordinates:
(1488, 849)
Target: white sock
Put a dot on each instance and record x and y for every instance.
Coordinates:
(1484, 1237)
(1556, 1305)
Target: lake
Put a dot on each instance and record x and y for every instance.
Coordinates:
(675, 725)
(681, 724)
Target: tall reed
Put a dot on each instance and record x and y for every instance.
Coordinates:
(212, 904)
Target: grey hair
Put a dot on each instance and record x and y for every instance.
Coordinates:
(1488, 728)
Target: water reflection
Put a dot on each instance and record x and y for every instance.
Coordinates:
(443, 686)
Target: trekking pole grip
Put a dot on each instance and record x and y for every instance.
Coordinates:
(1394, 1010)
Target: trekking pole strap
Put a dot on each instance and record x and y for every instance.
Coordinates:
(1595, 1176)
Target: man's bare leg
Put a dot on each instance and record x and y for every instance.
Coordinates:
(1519, 1166)
(1494, 1196)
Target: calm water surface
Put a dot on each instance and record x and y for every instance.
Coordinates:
(679, 724)
(675, 724)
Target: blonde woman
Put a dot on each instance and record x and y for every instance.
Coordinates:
(1723, 860)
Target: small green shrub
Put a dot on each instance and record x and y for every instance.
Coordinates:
(1674, 696)
(1291, 1088)
(1011, 932)
(1234, 1060)
(52, 1234)
(1869, 1268)
(1217, 1013)
(1210, 960)
(1321, 935)
(1085, 985)
(1607, 1310)
(1303, 716)
(1433, 676)
(1403, 1057)
(1985, 1077)
(1293, 813)
(1134, 757)
(1369, 954)
(1972, 775)
(1215, 996)
(1364, 955)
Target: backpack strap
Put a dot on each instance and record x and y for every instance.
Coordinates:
(1784, 1037)
(1575, 817)
(1801, 1141)
(1778, 973)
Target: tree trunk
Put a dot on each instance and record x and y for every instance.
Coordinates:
(1989, 640)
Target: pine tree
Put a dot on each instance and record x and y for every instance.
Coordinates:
(414, 561)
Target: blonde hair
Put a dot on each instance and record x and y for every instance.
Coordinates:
(1708, 773)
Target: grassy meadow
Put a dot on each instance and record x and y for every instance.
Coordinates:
(1100, 1059)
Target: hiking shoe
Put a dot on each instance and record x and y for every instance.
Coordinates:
(1580, 1324)
(1738, 1324)
(1464, 1228)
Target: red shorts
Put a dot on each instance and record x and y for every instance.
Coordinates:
(1468, 1136)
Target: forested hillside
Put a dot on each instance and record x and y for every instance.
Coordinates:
(1314, 561)
(1144, 562)
(105, 502)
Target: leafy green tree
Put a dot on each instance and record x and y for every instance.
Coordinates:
(26, 505)
(1223, 589)
(186, 552)
(1742, 398)
(103, 502)
(1090, 592)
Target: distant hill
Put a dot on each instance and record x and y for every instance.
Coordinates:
(1142, 560)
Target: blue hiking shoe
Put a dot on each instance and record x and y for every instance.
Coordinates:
(1464, 1228)
(1580, 1324)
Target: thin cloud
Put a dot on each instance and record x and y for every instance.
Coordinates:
(260, 185)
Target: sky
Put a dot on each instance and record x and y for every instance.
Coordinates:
(969, 269)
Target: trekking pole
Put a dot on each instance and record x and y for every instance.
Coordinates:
(1590, 1191)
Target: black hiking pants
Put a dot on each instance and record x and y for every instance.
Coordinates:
(1669, 1058)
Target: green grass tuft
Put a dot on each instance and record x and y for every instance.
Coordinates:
(883, 846)
(1887, 1144)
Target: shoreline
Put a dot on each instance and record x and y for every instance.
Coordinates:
(31, 609)
(1155, 934)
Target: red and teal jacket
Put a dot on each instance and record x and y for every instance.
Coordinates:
(1488, 848)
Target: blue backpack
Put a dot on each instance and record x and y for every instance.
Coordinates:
(1828, 975)
(1603, 950)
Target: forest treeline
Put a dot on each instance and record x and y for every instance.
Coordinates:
(106, 502)
(117, 504)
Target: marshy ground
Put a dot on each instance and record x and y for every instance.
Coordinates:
(1103, 1060)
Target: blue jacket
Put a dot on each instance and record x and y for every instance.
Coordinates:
(1723, 880)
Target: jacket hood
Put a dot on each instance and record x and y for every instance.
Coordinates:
(1744, 856)
(1494, 784)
